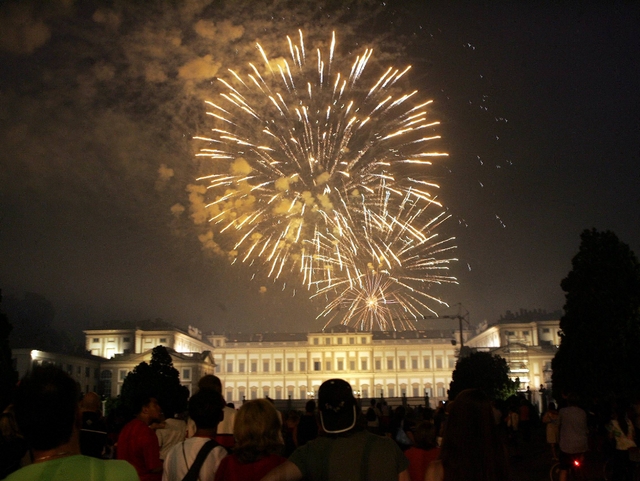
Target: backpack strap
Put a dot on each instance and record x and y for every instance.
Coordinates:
(194, 470)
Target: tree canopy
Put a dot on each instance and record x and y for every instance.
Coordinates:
(599, 352)
(157, 379)
(8, 376)
(484, 371)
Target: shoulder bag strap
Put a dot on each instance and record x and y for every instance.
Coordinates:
(194, 470)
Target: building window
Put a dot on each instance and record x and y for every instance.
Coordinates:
(352, 365)
(378, 364)
(427, 363)
(525, 333)
(163, 340)
(122, 374)
(69, 369)
(510, 333)
(266, 391)
(327, 341)
(416, 391)
(126, 339)
(254, 366)
(290, 392)
(441, 391)
(87, 372)
(303, 392)
(229, 366)
(218, 368)
(363, 340)
(438, 362)
(392, 391)
(96, 340)
(278, 392)
(352, 340)
(452, 362)
(265, 366)
(363, 364)
(317, 366)
(390, 364)
(229, 395)
(290, 366)
(414, 363)
(303, 366)
(240, 367)
(278, 366)
(328, 365)
(340, 365)
(186, 374)
(254, 393)
(545, 330)
(315, 341)
(365, 392)
(339, 340)
(241, 394)
(403, 363)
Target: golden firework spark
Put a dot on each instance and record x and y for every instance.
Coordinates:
(298, 142)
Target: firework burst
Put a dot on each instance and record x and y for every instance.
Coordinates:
(303, 153)
(378, 272)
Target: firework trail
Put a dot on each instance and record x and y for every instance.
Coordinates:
(303, 153)
(379, 271)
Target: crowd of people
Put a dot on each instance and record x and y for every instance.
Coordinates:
(50, 432)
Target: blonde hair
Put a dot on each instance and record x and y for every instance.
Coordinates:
(257, 430)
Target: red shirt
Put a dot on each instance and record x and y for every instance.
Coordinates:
(419, 460)
(231, 469)
(138, 444)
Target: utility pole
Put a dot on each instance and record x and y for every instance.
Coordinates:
(463, 315)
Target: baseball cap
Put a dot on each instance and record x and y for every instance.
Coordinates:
(337, 406)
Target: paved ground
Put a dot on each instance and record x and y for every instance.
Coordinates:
(532, 461)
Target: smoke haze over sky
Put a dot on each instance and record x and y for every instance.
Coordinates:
(99, 102)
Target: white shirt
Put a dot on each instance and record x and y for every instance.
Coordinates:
(181, 457)
(173, 433)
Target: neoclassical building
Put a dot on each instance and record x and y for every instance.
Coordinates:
(291, 366)
(527, 346)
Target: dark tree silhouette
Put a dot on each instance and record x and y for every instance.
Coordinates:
(32, 319)
(8, 376)
(484, 371)
(600, 329)
(158, 379)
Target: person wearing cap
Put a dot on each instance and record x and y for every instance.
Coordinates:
(345, 450)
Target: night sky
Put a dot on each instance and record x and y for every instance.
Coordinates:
(99, 102)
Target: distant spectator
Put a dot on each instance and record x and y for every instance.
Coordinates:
(424, 450)
(93, 433)
(205, 409)
(137, 442)
(47, 412)
(621, 430)
(13, 446)
(550, 418)
(171, 431)
(308, 425)
(471, 446)
(347, 451)
(373, 417)
(258, 443)
(290, 431)
(574, 432)
(524, 421)
(225, 428)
